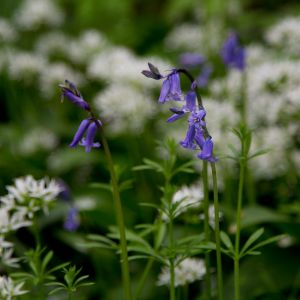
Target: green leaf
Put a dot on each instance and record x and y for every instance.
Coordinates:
(56, 290)
(125, 185)
(254, 236)
(101, 238)
(258, 153)
(267, 241)
(226, 240)
(99, 185)
(46, 260)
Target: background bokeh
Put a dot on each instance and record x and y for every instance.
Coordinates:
(102, 46)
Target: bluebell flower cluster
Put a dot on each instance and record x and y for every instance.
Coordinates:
(197, 136)
(233, 54)
(87, 129)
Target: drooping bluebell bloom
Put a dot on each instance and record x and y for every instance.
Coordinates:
(72, 221)
(69, 91)
(207, 151)
(88, 126)
(171, 89)
(233, 54)
(188, 107)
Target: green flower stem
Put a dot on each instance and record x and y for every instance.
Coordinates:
(143, 278)
(217, 234)
(171, 260)
(206, 229)
(238, 228)
(120, 219)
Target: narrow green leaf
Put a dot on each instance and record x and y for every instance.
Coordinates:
(254, 236)
(55, 290)
(226, 240)
(46, 260)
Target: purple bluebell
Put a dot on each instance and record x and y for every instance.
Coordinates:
(188, 107)
(88, 126)
(202, 79)
(233, 54)
(207, 151)
(171, 89)
(191, 60)
(69, 91)
(188, 142)
(72, 221)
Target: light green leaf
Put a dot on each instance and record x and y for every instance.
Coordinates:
(254, 236)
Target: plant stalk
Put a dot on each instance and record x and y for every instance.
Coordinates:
(217, 234)
(206, 230)
(120, 219)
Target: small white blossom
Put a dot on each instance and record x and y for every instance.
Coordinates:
(186, 272)
(9, 289)
(34, 13)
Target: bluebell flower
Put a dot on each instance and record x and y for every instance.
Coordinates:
(171, 89)
(233, 54)
(69, 91)
(72, 221)
(88, 126)
(188, 107)
(191, 60)
(207, 151)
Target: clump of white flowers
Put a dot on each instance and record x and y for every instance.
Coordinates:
(187, 271)
(10, 289)
(285, 35)
(211, 216)
(34, 13)
(7, 31)
(125, 107)
(28, 195)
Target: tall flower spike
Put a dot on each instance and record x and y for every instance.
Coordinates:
(69, 91)
(233, 54)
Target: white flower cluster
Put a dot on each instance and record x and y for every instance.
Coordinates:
(191, 37)
(186, 272)
(28, 196)
(34, 13)
(9, 289)
(125, 108)
(6, 251)
(25, 66)
(7, 31)
(285, 35)
(37, 139)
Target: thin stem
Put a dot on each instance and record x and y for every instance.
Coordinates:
(143, 278)
(120, 219)
(206, 229)
(238, 229)
(217, 234)
(171, 260)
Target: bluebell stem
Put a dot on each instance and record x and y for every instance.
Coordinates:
(233, 54)
(90, 126)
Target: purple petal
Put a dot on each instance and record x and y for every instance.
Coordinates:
(72, 221)
(199, 138)
(188, 142)
(175, 117)
(190, 100)
(76, 100)
(164, 91)
(191, 59)
(80, 132)
(91, 131)
(206, 153)
(175, 89)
